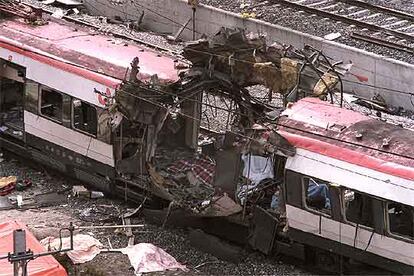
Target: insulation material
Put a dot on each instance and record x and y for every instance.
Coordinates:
(290, 69)
(326, 83)
(85, 247)
(146, 257)
(268, 74)
(42, 266)
(5, 181)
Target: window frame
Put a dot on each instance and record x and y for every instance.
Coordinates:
(31, 96)
(45, 88)
(73, 118)
(305, 205)
(343, 207)
(387, 224)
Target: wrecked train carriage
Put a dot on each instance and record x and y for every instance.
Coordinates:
(57, 83)
(343, 195)
(319, 182)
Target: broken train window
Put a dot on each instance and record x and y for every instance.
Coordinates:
(400, 219)
(51, 104)
(317, 195)
(84, 117)
(358, 207)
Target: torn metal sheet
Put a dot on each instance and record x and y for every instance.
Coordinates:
(228, 171)
(264, 230)
(158, 185)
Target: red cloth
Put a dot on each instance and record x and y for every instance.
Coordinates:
(42, 266)
(203, 169)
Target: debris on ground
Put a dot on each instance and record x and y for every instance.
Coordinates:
(96, 194)
(81, 191)
(85, 247)
(146, 257)
(47, 221)
(332, 36)
(221, 206)
(7, 185)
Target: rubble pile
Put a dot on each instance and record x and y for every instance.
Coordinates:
(381, 111)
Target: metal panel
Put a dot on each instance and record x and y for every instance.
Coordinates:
(227, 171)
(293, 188)
(264, 230)
(47, 160)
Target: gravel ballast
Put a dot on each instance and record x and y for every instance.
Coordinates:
(314, 25)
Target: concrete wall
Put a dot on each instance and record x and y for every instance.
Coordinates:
(166, 16)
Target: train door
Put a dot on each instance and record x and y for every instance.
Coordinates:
(11, 100)
(313, 211)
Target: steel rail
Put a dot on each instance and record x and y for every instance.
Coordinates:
(382, 42)
(345, 19)
(382, 9)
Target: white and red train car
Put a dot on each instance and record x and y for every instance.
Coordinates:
(366, 168)
(52, 81)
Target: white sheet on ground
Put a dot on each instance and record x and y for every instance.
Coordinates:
(146, 257)
(85, 247)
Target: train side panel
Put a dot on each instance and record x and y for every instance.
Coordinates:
(371, 235)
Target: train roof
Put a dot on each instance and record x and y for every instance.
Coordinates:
(66, 43)
(349, 136)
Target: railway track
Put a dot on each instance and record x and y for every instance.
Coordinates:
(376, 24)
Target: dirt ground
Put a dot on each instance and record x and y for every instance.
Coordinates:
(46, 221)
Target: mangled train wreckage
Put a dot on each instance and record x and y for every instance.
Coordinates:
(307, 178)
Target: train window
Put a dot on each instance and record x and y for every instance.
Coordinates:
(84, 117)
(358, 208)
(317, 195)
(51, 104)
(401, 219)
